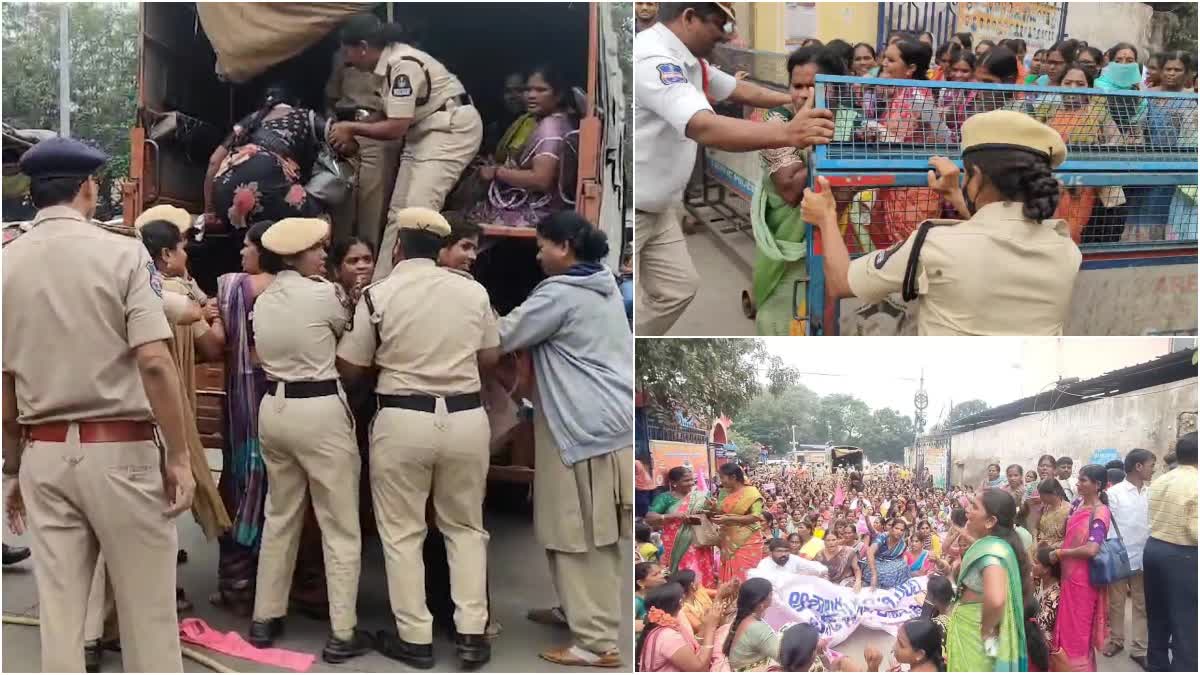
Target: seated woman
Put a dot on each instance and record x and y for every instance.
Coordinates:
(539, 179)
(259, 172)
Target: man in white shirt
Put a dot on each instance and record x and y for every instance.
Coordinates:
(781, 565)
(673, 85)
(1131, 515)
(1064, 467)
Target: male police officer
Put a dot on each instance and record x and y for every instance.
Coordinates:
(672, 114)
(87, 372)
(430, 331)
(426, 105)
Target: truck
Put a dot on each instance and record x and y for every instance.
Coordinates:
(190, 93)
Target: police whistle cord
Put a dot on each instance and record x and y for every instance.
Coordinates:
(203, 659)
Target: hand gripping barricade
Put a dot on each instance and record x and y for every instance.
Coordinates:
(1129, 181)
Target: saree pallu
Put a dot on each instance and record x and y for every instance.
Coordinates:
(1082, 621)
(679, 552)
(741, 545)
(964, 642)
(780, 248)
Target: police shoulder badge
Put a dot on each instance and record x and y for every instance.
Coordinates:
(671, 73)
(881, 257)
(156, 280)
(402, 86)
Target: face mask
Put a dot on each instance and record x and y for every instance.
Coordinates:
(1123, 75)
(1043, 80)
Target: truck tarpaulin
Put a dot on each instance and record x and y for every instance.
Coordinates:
(250, 37)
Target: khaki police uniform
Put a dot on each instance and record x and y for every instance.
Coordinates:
(444, 137)
(69, 347)
(362, 214)
(998, 273)
(668, 80)
(431, 434)
(307, 435)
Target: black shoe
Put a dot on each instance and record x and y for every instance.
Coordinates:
(473, 650)
(91, 656)
(1141, 661)
(339, 651)
(391, 646)
(264, 633)
(15, 554)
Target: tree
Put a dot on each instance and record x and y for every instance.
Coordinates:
(843, 419)
(961, 411)
(747, 450)
(888, 435)
(714, 375)
(104, 48)
(769, 419)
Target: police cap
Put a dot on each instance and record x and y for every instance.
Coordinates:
(61, 158)
(293, 235)
(1013, 130)
(420, 218)
(172, 214)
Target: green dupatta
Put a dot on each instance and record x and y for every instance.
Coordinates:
(964, 643)
(683, 537)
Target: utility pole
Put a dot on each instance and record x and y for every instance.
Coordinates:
(64, 71)
(920, 403)
(793, 438)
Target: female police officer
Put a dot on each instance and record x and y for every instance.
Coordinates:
(426, 105)
(1008, 269)
(307, 434)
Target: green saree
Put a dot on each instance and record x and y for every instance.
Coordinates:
(964, 640)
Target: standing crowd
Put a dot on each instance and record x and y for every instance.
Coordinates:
(1026, 571)
(363, 385)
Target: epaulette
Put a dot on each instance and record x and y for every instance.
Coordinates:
(908, 288)
(123, 230)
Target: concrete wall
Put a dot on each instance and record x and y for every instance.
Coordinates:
(1103, 24)
(851, 21)
(1147, 418)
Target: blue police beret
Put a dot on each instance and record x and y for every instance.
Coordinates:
(61, 158)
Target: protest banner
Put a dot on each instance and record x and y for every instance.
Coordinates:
(837, 611)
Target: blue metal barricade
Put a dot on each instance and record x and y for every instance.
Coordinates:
(1129, 181)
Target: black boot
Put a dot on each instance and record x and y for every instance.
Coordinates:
(91, 656)
(473, 650)
(391, 646)
(264, 633)
(14, 554)
(339, 651)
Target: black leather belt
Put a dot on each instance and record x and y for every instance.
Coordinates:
(428, 404)
(304, 389)
(461, 99)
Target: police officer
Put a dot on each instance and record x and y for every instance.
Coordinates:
(307, 434)
(1007, 270)
(87, 373)
(353, 96)
(426, 105)
(672, 113)
(430, 331)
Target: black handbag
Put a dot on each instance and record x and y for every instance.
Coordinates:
(1111, 564)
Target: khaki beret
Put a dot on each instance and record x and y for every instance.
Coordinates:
(293, 235)
(1014, 130)
(420, 218)
(172, 214)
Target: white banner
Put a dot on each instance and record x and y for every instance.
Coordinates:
(837, 611)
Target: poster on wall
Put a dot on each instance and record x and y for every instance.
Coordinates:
(801, 21)
(1037, 23)
(935, 463)
(667, 455)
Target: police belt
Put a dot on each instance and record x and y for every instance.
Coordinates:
(423, 403)
(304, 389)
(461, 100)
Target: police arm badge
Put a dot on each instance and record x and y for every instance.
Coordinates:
(671, 73)
(402, 86)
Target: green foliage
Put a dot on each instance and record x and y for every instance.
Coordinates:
(1181, 32)
(747, 450)
(104, 48)
(840, 419)
(710, 376)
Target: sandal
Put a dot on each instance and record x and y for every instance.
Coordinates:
(1112, 650)
(578, 657)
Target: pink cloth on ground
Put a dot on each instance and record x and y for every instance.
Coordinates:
(197, 632)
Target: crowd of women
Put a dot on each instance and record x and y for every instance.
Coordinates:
(1007, 566)
(906, 119)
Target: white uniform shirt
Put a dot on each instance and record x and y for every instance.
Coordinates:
(668, 82)
(1131, 510)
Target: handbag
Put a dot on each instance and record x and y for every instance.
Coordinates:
(332, 178)
(1111, 564)
(706, 533)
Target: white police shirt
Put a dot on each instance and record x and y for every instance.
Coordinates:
(668, 83)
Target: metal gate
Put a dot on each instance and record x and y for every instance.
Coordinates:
(939, 18)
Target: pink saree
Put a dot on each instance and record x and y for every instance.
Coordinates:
(1082, 622)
